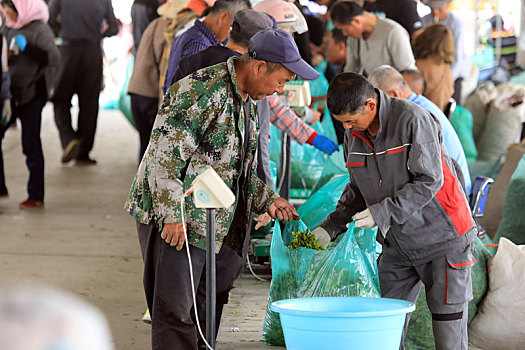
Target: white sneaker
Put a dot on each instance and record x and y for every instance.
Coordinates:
(147, 317)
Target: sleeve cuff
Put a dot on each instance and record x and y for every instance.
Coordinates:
(382, 222)
(311, 138)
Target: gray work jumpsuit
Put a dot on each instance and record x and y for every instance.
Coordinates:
(408, 181)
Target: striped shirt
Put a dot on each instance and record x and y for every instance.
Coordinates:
(195, 39)
(285, 119)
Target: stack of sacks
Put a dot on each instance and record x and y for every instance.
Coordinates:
(499, 322)
(498, 114)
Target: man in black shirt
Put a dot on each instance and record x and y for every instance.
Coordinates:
(403, 12)
(79, 23)
(142, 13)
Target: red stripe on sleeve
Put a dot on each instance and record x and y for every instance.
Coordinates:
(355, 164)
(394, 151)
(453, 202)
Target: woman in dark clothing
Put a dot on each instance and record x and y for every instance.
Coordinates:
(5, 118)
(32, 58)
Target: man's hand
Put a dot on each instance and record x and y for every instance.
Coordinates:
(262, 220)
(364, 219)
(282, 209)
(173, 234)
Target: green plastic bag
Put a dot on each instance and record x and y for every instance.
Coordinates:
(512, 225)
(333, 166)
(484, 58)
(124, 100)
(462, 121)
(419, 333)
(307, 162)
(315, 210)
(346, 269)
(319, 86)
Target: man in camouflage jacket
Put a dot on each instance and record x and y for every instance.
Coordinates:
(206, 119)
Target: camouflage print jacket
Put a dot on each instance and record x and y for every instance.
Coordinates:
(200, 123)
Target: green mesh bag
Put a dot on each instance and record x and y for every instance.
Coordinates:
(512, 225)
(419, 333)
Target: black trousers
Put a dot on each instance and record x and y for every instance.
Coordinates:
(167, 287)
(3, 188)
(30, 116)
(81, 74)
(144, 110)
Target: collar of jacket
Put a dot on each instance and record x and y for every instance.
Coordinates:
(231, 70)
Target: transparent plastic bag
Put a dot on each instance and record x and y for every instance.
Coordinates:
(124, 100)
(347, 268)
(307, 162)
(315, 210)
(334, 166)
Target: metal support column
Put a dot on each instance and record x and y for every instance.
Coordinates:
(211, 290)
(285, 171)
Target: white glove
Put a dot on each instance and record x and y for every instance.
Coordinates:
(322, 236)
(6, 112)
(364, 219)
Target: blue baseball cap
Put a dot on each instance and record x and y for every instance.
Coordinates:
(276, 45)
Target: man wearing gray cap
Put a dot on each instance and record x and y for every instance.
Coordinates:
(206, 119)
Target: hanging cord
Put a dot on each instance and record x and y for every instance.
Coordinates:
(284, 160)
(208, 346)
(253, 273)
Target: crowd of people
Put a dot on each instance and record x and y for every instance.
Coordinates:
(201, 67)
(204, 92)
(52, 52)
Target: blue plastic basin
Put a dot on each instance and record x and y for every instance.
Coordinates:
(342, 323)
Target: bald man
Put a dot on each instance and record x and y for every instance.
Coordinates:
(415, 79)
(393, 84)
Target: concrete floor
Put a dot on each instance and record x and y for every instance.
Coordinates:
(85, 243)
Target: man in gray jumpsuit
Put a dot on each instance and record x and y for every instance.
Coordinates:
(403, 181)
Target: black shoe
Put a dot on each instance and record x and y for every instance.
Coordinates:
(85, 161)
(70, 151)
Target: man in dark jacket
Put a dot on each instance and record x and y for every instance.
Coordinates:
(79, 24)
(142, 13)
(229, 264)
(403, 181)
